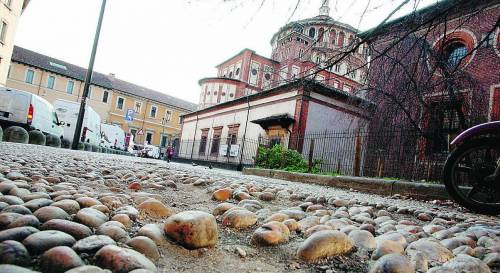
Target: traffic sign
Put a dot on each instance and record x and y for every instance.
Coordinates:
(140, 133)
(130, 115)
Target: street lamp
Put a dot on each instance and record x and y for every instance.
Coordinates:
(88, 78)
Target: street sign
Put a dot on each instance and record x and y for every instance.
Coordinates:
(130, 115)
(140, 133)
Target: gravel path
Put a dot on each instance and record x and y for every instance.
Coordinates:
(127, 198)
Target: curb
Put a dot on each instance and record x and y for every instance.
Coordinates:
(369, 185)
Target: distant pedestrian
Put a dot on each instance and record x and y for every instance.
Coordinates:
(170, 153)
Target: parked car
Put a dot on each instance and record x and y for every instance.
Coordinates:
(112, 136)
(91, 128)
(146, 151)
(27, 110)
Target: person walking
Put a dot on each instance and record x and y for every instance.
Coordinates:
(170, 153)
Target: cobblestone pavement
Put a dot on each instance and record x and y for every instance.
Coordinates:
(74, 211)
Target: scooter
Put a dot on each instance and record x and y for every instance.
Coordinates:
(472, 170)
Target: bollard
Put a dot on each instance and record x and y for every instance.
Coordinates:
(36, 137)
(53, 141)
(16, 134)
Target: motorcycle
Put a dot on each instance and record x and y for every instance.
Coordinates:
(472, 170)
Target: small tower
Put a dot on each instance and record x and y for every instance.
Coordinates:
(325, 8)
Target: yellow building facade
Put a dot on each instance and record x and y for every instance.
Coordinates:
(156, 116)
(10, 12)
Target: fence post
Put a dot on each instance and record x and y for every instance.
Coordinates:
(357, 156)
(311, 153)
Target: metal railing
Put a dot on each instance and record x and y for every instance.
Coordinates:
(400, 154)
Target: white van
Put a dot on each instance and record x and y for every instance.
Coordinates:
(112, 136)
(91, 128)
(27, 110)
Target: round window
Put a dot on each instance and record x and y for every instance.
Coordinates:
(454, 53)
(223, 93)
(231, 95)
(267, 76)
(237, 71)
(208, 93)
(215, 93)
(254, 71)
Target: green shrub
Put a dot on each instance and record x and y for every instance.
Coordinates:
(278, 157)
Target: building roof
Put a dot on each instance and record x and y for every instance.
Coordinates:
(284, 120)
(308, 84)
(243, 51)
(444, 6)
(31, 58)
(320, 19)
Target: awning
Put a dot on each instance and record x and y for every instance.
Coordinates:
(283, 120)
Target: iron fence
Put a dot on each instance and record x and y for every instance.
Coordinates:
(390, 154)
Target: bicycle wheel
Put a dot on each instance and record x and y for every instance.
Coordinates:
(469, 175)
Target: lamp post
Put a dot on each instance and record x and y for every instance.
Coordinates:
(88, 78)
(163, 121)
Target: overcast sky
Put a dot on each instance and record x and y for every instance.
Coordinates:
(168, 45)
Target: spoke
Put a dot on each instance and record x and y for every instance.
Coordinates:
(463, 168)
(472, 192)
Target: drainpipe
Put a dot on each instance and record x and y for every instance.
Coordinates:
(40, 84)
(194, 136)
(240, 166)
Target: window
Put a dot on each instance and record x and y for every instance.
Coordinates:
(301, 53)
(3, 31)
(312, 32)
(216, 141)
(454, 53)
(133, 132)
(70, 86)
(203, 141)
(149, 137)
(333, 36)
(168, 116)
(352, 74)
(138, 106)
(30, 74)
(337, 68)
(267, 76)
(120, 103)
(230, 74)
(105, 96)
(152, 111)
(233, 134)
(163, 141)
(254, 71)
(237, 71)
(321, 34)
(341, 39)
(51, 80)
(443, 123)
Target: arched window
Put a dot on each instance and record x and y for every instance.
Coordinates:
(321, 33)
(341, 39)
(333, 36)
(350, 40)
(230, 74)
(312, 32)
(454, 53)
